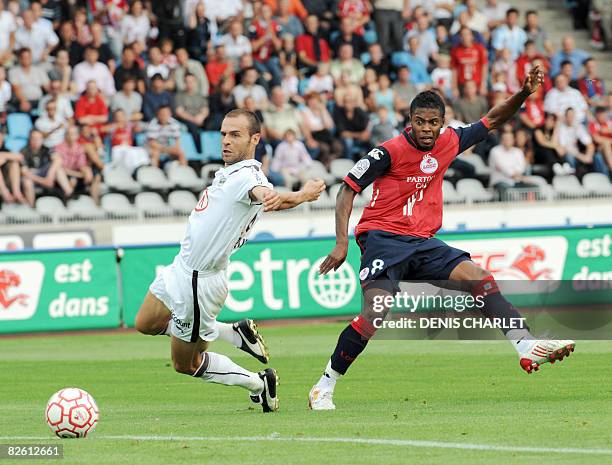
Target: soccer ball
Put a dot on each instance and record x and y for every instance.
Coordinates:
(71, 413)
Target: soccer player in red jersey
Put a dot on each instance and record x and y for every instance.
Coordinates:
(397, 228)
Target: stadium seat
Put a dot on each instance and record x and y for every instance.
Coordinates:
(568, 187)
(317, 170)
(53, 208)
(15, 144)
(151, 204)
(208, 172)
(182, 202)
(322, 202)
(302, 85)
(19, 213)
(85, 208)
(333, 190)
(19, 125)
(153, 178)
(118, 179)
(140, 138)
(370, 36)
(477, 162)
(449, 193)
(211, 145)
(188, 146)
(185, 177)
(473, 191)
(364, 197)
(340, 167)
(365, 58)
(597, 183)
(118, 206)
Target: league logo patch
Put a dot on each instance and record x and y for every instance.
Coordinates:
(361, 167)
(363, 274)
(429, 164)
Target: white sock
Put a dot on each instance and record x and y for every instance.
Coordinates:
(227, 333)
(217, 368)
(329, 378)
(521, 339)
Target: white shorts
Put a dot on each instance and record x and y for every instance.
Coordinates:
(194, 297)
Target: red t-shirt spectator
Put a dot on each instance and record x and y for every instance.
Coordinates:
(123, 135)
(601, 130)
(91, 107)
(468, 62)
(215, 71)
(534, 109)
(592, 88)
(306, 43)
(353, 9)
(524, 63)
(258, 30)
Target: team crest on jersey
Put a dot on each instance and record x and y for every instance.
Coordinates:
(360, 167)
(375, 154)
(429, 164)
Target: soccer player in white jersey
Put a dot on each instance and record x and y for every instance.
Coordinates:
(184, 300)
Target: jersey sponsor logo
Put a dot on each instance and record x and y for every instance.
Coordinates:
(360, 168)
(375, 154)
(429, 164)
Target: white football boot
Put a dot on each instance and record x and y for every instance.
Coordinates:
(545, 351)
(321, 399)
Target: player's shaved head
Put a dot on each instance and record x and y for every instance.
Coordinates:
(240, 134)
(254, 124)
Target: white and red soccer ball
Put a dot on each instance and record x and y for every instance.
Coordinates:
(72, 413)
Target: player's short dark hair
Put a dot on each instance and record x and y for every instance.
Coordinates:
(254, 122)
(428, 99)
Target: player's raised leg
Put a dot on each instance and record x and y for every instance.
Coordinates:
(532, 352)
(351, 342)
(153, 318)
(244, 335)
(192, 359)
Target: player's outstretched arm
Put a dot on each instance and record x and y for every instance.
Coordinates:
(273, 200)
(501, 113)
(344, 207)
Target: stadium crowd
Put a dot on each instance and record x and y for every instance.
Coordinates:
(87, 84)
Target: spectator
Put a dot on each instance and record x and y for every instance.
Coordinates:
(265, 41)
(123, 152)
(418, 67)
(532, 114)
(404, 90)
(291, 159)
(548, 150)
(62, 72)
(443, 41)
(156, 64)
(192, 109)
(471, 107)
(290, 85)
(311, 48)
(105, 54)
(288, 22)
(135, 26)
(248, 87)
(591, 86)
(378, 61)
(384, 96)
(321, 82)
(477, 21)
(5, 95)
(185, 66)
(40, 168)
(39, 18)
(129, 68)
(90, 140)
(562, 97)
(221, 102)
(578, 145)
(40, 40)
(218, 67)
(357, 11)
(157, 96)
(52, 125)
(75, 163)
(201, 30)
(570, 53)
(345, 63)
(163, 137)
(10, 173)
(64, 105)
(281, 116)
(81, 27)
(382, 129)
(527, 60)
(90, 109)
(463, 21)
(508, 166)
(567, 69)
(495, 12)
(128, 100)
(601, 132)
(294, 7)
(352, 125)
(442, 76)
(8, 26)
(348, 35)
(68, 42)
(536, 34)
(235, 42)
(92, 70)
(287, 54)
(318, 126)
(388, 17)
(222, 12)
(29, 81)
(510, 36)
(506, 65)
(469, 63)
(345, 86)
(427, 46)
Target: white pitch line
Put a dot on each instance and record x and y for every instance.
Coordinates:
(369, 441)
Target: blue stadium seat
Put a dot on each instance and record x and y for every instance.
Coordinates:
(211, 145)
(302, 85)
(370, 36)
(15, 144)
(140, 138)
(19, 125)
(365, 58)
(188, 146)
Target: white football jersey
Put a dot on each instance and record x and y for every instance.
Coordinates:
(221, 221)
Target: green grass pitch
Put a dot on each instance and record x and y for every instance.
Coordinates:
(399, 392)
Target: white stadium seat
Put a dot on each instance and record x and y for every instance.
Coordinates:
(597, 183)
(317, 170)
(477, 162)
(182, 202)
(449, 193)
(18, 213)
(85, 208)
(153, 178)
(117, 178)
(568, 186)
(340, 167)
(473, 191)
(118, 206)
(184, 177)
(208, 172)
(151, 204)
(53, 208)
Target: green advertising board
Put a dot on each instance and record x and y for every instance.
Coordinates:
(279, 279)
(59, 290)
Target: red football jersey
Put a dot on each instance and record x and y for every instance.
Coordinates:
(407, 190)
